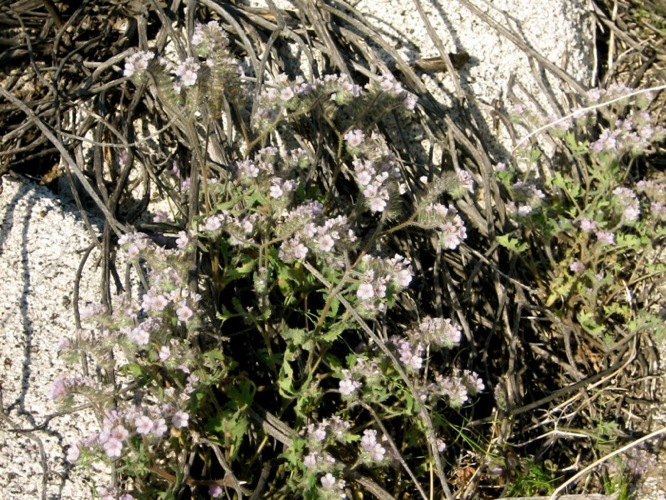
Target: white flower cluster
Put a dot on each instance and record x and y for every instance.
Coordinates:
(137, 63)
(187, 73)
(411, 355)
(457, 388)
(348, 385)
(372, 450)
(364, 369)
(628, 202)
(377, 180)
(527, 197)
(312, 231)
(446, 220)
(120, 425)
(391, 86)
(209, 38)
(436, 332)
(379, 277)
(291, 95)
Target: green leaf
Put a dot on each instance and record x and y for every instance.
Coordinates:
(297, 337)
(512, 244)
(286, 377)
(134, 369)
(334, 332)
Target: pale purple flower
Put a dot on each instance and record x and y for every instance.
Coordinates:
(137, 62)
(441, 445)
(215, 491)
(410, 355)
(119, 432)
(154, 302)
(473, 382)
(454, 389)
(184, 313)
(113, 448)
(159, 427)
(276, 191)
(354, 138)
(577, 267)
(58, 388)
(587, 224)
(73, 453)
(410, 101)
(328, 481)
(629, 202)
(160, 216)
(317, 433)
(348, 386)
(338, 426)
(187, 71)
(325, 243)
(365, 291)
(139, 336)
(165, 352)
(180, 419)
(370, 445)
(606, 237)
(658, 210)
(310, 460)
(182, 240)
(213, 223)
(439, 331)
(286, 94)
(143, 424)
(524, 210)
(377, 204)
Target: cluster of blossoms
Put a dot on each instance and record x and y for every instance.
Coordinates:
(137, 63)
(363, 370)
(432, 334)
(269, 172)
(446, 221)
(318, 461)
(65, 387)
(380, 280)
(310, 230)
(148, 328)
(457, 388)
(286, 95)
(168, 293)
(527, 197)
(588, 225)
(656, 194)
(394, 89)
(297, 94)
(209, 42)
(633, 134)
(436, 333)
(411, 355)
(209, 38)
(628, 202)
(120, 427)
(377, 176)
(372, 451)
(240, 229)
